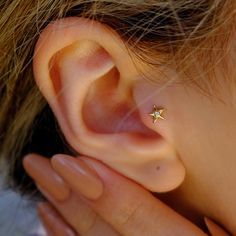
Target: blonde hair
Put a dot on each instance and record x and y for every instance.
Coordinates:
(174, 29)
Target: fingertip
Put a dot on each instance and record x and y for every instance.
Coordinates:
(52, 221)
(214, 228)
(39, 168)
(29, 159)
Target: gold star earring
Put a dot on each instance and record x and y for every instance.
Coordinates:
(157, 113)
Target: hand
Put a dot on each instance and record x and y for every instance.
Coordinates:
(88, 198)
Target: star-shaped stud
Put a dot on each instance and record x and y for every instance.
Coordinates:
(156, 113)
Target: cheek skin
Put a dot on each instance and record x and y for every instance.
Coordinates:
(202, 131)
(204, 134)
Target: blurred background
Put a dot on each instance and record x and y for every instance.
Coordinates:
(18, 216)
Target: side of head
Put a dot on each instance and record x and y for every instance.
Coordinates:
(101, 73)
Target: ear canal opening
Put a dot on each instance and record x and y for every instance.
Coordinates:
(106, 111)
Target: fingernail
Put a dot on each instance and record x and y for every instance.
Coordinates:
(45, 193)
(82, 178)
(46, 218)
(214, 228)
(52, 222)
(40, 169)
(43, 209)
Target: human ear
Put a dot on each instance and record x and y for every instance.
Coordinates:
(90, 80)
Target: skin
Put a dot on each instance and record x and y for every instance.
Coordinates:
(188, 159)
(134, 210)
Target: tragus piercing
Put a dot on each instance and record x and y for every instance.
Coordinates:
(157, 113)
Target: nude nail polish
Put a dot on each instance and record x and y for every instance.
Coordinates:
(81, 178)
(52, 221)
(214, 228)
(40, 169)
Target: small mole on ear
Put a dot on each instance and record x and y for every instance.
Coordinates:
(158, 168)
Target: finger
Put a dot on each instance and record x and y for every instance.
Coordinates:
(81, 217)
(52, 221)
(214, 229)
(40, 169)
(75, 212)
(129, 208)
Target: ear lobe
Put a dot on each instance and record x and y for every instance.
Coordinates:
(88, 78)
